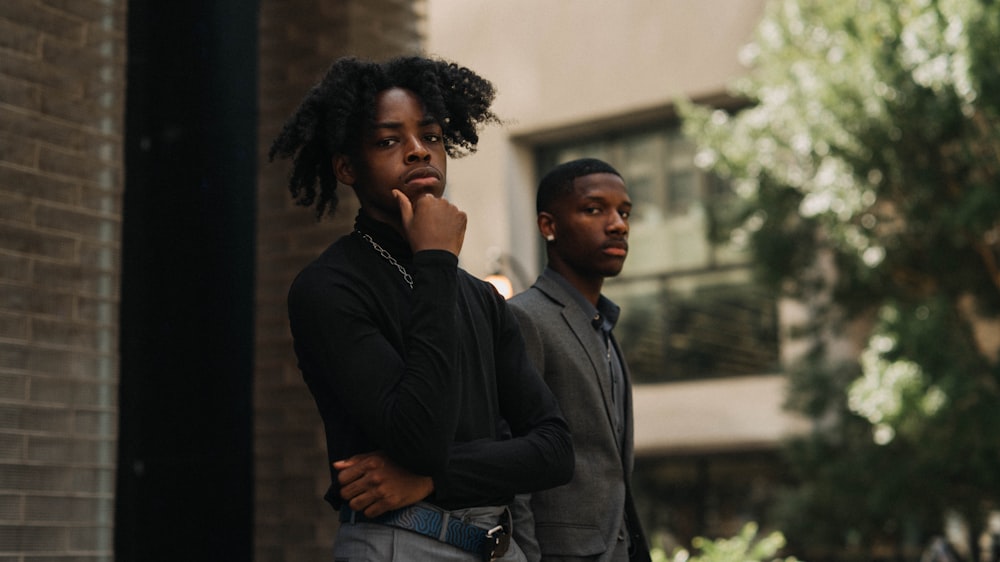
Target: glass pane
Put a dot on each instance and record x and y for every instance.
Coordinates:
(638, 166)
(684, 197)
(677, 329)
(683, 193)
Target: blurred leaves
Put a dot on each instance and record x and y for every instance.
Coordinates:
(744, 547)
(867, 164)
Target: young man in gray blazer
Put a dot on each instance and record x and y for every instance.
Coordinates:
(583, 210)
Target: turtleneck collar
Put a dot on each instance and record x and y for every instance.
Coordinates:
(384, 234)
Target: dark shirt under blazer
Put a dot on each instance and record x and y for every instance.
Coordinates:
(582, 519)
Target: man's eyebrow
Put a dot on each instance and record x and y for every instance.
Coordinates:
(603, 199)
(396, 124)
(387, 125)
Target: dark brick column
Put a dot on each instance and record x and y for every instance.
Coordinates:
(298, 41)
(61, 109)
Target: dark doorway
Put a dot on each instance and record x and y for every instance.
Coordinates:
(185, 469)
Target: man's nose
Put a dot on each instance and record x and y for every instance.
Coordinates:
(618, 223)
(417, 151)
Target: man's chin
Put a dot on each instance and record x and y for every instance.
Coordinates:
(413, 194)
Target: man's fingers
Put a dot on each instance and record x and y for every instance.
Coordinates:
(375, 508)
(374, 511)
(405, 207)
(341, 465)
(361, 485)
(362, 478)
(350, 474)
(359, 502)
(351, 469)
(369, 503)
(434, 224)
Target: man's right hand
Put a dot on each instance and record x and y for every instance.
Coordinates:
(372, 484)
(432, 223)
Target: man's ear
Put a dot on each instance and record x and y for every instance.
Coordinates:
(344, 169)
(547, 226)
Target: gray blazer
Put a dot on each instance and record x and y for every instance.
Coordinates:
(584, 517)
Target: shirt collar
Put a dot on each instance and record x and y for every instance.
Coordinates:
(606, 310)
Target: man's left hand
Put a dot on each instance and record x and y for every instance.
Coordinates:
(372, 484)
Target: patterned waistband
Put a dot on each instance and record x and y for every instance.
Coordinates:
(440, 525)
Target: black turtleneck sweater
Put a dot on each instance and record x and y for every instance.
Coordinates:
(436, 376)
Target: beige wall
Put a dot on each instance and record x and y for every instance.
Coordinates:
(563, 63)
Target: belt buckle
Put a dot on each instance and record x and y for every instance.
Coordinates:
(496, 544)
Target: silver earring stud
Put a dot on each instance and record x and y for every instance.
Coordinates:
(550, 237)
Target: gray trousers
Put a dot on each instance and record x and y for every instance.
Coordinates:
(374, 542)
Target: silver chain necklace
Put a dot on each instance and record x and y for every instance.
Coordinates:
(388, 257)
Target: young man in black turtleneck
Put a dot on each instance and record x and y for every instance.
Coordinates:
(434, 416)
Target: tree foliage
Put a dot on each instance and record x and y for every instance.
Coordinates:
(867, 168)
(744, 547)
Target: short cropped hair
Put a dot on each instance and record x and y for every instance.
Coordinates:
(336, 111)
(559, 180)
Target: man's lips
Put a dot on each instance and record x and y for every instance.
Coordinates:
(615, 248)
(422, 176)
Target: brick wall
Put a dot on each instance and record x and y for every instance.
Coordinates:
(298, 41)
(61, 103)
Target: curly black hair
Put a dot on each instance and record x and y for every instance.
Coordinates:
(559, 180)
(333, 116)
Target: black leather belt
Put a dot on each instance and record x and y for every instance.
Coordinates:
(439, 525)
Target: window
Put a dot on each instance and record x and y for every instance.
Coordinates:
(689, 306)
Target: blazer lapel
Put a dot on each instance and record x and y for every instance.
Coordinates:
(588, 340)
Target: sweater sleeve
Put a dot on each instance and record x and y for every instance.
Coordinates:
(397, 387)
(539, 453)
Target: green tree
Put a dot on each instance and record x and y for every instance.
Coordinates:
(744, 547)
(866, 167)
